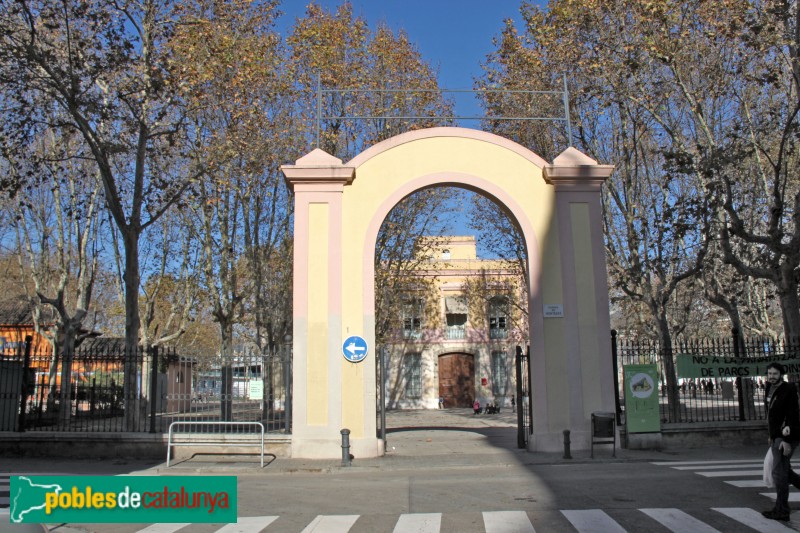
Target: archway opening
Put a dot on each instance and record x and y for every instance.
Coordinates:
(451, 305)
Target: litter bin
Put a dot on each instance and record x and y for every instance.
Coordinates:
(604, 431)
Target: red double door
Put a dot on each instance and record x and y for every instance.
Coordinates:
(457, 379)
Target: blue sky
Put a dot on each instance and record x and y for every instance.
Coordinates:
(454, 36)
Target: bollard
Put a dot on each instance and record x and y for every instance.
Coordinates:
(566, 445)
(345, 447)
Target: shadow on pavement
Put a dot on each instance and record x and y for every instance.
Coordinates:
(449, 431)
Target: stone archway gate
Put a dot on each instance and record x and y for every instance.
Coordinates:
(339, 209)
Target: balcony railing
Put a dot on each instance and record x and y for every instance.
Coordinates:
(455, 333)
(498, 333)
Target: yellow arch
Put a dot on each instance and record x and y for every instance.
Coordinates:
(339, 209)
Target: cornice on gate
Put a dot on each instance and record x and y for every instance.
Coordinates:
(446, 131)
(318, 167)
(573, 170)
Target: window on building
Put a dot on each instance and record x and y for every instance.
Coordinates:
(446, 255)
(498, 317)
(455, 308)
(412, 317)
(413, 375)
(499, 373)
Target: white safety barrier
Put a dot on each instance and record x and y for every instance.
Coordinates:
(179, 437)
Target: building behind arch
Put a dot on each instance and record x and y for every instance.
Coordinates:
(457, 321)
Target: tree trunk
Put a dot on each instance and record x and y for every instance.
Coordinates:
(790, 306)
(53, 378)
(65, 396)
(226, 390)
(665, 340)
(131, 392)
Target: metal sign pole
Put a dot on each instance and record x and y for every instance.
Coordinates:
(566, 112)
(319, 107)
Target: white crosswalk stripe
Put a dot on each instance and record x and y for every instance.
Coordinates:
(718, 467)
(746, 483)
(582, 521)
(742, 470)
(162, 528)
(419, 523)
(592, 520)
(331, 524)
(732, 473)
(5, 491)
(678, 521)
(793, 496)
(747, 473)
(248, 524)
(507, 522)
(753, 519)
(690, 463)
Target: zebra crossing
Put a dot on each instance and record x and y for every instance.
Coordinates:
(742, 473)
(581, 521)
(5, 491)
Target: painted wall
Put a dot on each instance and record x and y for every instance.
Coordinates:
(14, 339)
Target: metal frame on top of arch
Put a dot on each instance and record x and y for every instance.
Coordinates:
(321, 92)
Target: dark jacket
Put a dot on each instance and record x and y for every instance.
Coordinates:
(783, 411)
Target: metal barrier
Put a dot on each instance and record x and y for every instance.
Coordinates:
(212, 438)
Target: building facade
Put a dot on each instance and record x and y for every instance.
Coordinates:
(458, 322)
(17, 325)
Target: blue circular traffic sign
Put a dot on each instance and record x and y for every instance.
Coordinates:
(354, 349)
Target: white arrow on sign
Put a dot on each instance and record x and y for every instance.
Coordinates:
(352, 348)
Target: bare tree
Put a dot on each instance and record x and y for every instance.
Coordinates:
(105, 67)
(57, 226)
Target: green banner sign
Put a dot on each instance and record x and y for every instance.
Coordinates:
(711, 366)
(118, 499)
(641, 399)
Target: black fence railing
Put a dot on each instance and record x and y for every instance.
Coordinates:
(717, 380)
(523, 406)
(164, 387)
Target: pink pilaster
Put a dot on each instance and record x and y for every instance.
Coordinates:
(578, 179)
(317, 179)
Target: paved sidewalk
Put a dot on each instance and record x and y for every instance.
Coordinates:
(454, 438)
(416, 439)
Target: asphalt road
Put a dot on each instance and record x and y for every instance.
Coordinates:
(464, 496)
(471, 478)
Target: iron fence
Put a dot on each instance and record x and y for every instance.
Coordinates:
(733, 387)
(523, 405)
(165, 387)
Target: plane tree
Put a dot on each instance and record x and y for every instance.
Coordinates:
(105, 68)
